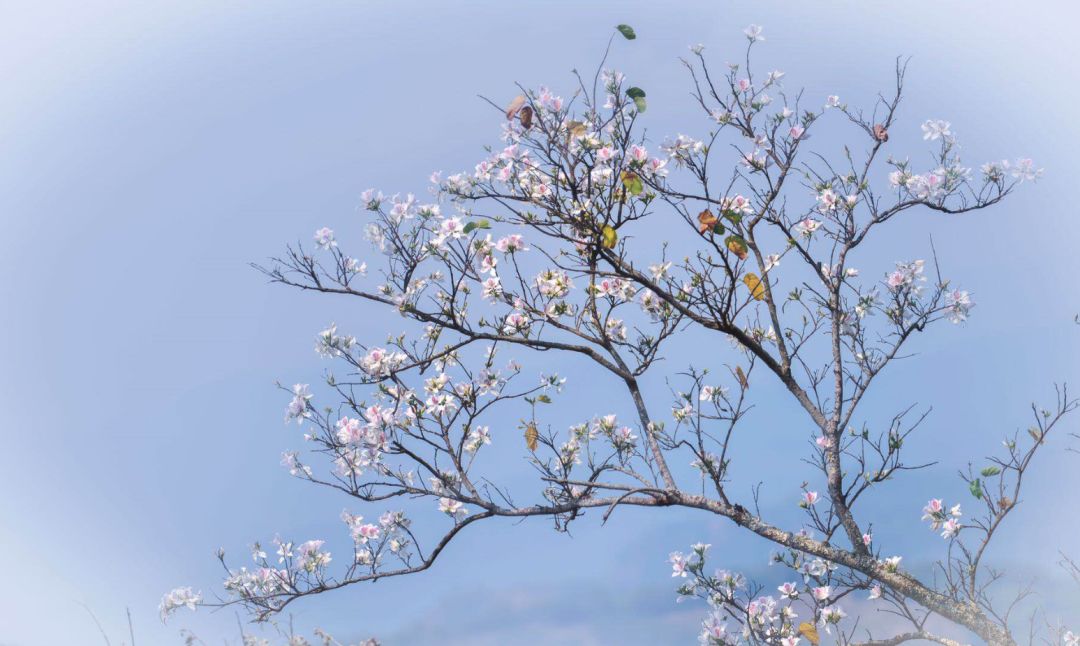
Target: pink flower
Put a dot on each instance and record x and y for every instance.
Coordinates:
(492, 288)
(364, 533)
(808, 498)
(738, 204)
(827, 200)
(451, 228)
(605, 154)
(656, 166)
(796, 131)
(950, 528)
(511, 243)
(678, 561)
(515, 323)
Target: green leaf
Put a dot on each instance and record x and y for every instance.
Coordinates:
(543, 399)
(638, 95)
(976, 488)
(989, 472)
(477, 224)
(632, 182)
(627, 31)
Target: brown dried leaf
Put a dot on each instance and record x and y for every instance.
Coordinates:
(515, 106)
(576, 128)
(880, 133)
(706, 220)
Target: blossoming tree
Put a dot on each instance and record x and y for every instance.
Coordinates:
(552, 244)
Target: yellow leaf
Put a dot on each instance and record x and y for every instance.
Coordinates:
(737, 246)
(809, 631)
(609, 237)
(757, 287)
(531, 436)
(742, 377)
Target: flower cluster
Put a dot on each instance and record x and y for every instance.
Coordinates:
(373, 541)
(178, 598)
(940, 518)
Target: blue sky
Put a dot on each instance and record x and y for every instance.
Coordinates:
(148, 153)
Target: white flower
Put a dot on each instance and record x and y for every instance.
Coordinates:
(892, 564)
(753, 33)
(178, 598)
(659, 270)
(934, 129)
(958, 304)
(310, 557)
(324, 237)
(1024, 170)
(452, 507)
(355, 266)
(709, 393)
(771, 261)
(298, 407)
(380, 362)
(477, 438)
(807, 227)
